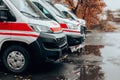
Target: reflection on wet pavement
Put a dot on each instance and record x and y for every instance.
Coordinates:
(110, 65)
(89, 68)
(100, 60)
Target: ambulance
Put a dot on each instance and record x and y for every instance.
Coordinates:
(71, 28)
(69, 14)
(27, 36)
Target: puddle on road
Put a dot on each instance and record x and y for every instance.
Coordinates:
(88, 64)
(97, 62)
(100, 63)
(111, 66)
(107, 60)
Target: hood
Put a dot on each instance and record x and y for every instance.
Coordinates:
(51, 24)
(73, 22)
(82, 21)
(44, 22)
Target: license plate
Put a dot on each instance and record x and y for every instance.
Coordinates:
(73, 49)
(76, 47)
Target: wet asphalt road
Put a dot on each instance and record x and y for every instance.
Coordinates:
(100, 60)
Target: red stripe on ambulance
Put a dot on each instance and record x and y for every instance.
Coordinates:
(14, 26)
(71, 31)
(18, 34)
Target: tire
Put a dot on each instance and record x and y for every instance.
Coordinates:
(16, 59)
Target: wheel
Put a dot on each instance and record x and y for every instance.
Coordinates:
(16, 59)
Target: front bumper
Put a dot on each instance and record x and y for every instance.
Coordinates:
(49, 46)
(77, 47)
(74, 40)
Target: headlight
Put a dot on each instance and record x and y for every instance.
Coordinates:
(83, 23)
(74, 27)
(40, 28)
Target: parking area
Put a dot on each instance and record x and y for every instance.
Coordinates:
(99, 60)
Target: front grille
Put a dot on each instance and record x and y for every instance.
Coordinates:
(49, 45)
(82, 30)
(81, 40)
(61, 41)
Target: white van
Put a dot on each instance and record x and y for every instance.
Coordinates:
(27, 35)
(69, 14)
(70, 27)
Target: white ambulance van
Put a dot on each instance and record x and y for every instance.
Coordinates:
(26, 36)
(70, 27)
(69, 14)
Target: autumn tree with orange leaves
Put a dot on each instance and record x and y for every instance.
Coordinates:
(88, 10)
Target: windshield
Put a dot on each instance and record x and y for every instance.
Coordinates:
(24, 7)
(68, 15)
(55, 10)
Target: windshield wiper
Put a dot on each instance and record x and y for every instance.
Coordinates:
(29, 14)
(60, 16)
(40, 17)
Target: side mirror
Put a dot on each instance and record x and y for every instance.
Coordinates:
(3, 13)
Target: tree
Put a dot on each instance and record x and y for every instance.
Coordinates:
(88, 10)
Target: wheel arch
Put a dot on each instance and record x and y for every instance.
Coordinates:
(9, 43)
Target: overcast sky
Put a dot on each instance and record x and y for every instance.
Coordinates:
(113, 4)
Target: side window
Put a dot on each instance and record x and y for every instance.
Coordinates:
(1, 2)
(6, 14)
(11, 16)
(44, 11)
(67, 14)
